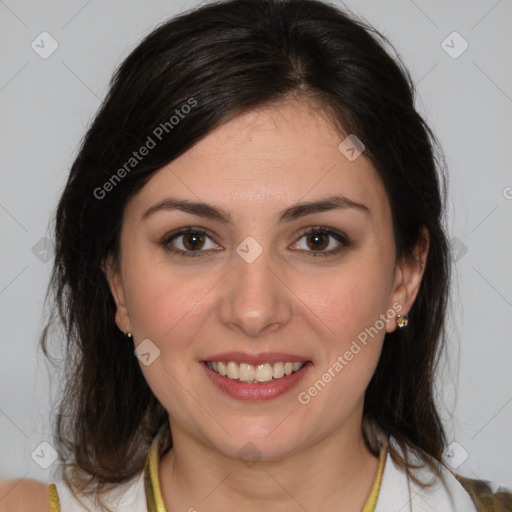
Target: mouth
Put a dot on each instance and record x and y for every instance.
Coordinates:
(255, 374)
(264, 376)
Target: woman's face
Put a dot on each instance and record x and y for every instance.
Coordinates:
(253, 289)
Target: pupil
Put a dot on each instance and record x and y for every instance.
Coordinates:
(193, 240)
(318, 238)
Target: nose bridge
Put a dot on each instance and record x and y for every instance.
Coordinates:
(254, 299)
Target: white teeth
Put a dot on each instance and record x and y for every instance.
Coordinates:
(263, 373)
(246, 372)
(222, 368)
(278, 370)
(249, 373)
(295, 366)
(232, 370)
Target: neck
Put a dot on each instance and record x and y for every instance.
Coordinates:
(339, 469)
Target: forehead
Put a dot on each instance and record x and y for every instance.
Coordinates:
(275, 155)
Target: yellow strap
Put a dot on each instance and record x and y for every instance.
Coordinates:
(371, 502)
(54, 498)
(154, 498)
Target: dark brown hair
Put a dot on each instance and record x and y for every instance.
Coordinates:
(224, 59)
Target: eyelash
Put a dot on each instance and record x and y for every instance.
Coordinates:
(340, 237)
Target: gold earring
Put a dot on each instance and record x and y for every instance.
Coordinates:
(128, 334)
(402, 321)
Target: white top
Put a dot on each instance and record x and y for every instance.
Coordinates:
(128, 497)
(446, 495)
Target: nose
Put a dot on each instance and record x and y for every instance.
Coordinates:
(255, 299)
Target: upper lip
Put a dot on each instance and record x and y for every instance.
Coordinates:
(256, 359)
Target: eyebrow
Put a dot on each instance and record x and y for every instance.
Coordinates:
(291, 213)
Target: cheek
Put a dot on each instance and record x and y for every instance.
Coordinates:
(338, 304)
(350, 303)
(349, 355)
(163, 303)
(169, 309)
(349, 300)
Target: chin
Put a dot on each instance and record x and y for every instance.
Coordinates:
(263, 441)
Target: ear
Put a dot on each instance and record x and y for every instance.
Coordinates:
(408, 276)
(115, 283)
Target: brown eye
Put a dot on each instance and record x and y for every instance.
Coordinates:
(189, 242)
(317, 241)
(193, 241)
(321, 242)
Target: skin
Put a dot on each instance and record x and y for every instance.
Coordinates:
(21, 495)
(312, 456)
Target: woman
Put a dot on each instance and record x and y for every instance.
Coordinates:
(253, 275)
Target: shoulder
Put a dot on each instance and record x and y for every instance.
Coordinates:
(23, 495)
(129, 496)
(485, 498)
(435, 486)
(426, 485)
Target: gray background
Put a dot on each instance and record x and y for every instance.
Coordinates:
(46, 105)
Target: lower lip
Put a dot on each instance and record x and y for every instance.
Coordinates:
(250, 391)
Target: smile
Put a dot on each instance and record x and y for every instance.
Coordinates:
(249, 373)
